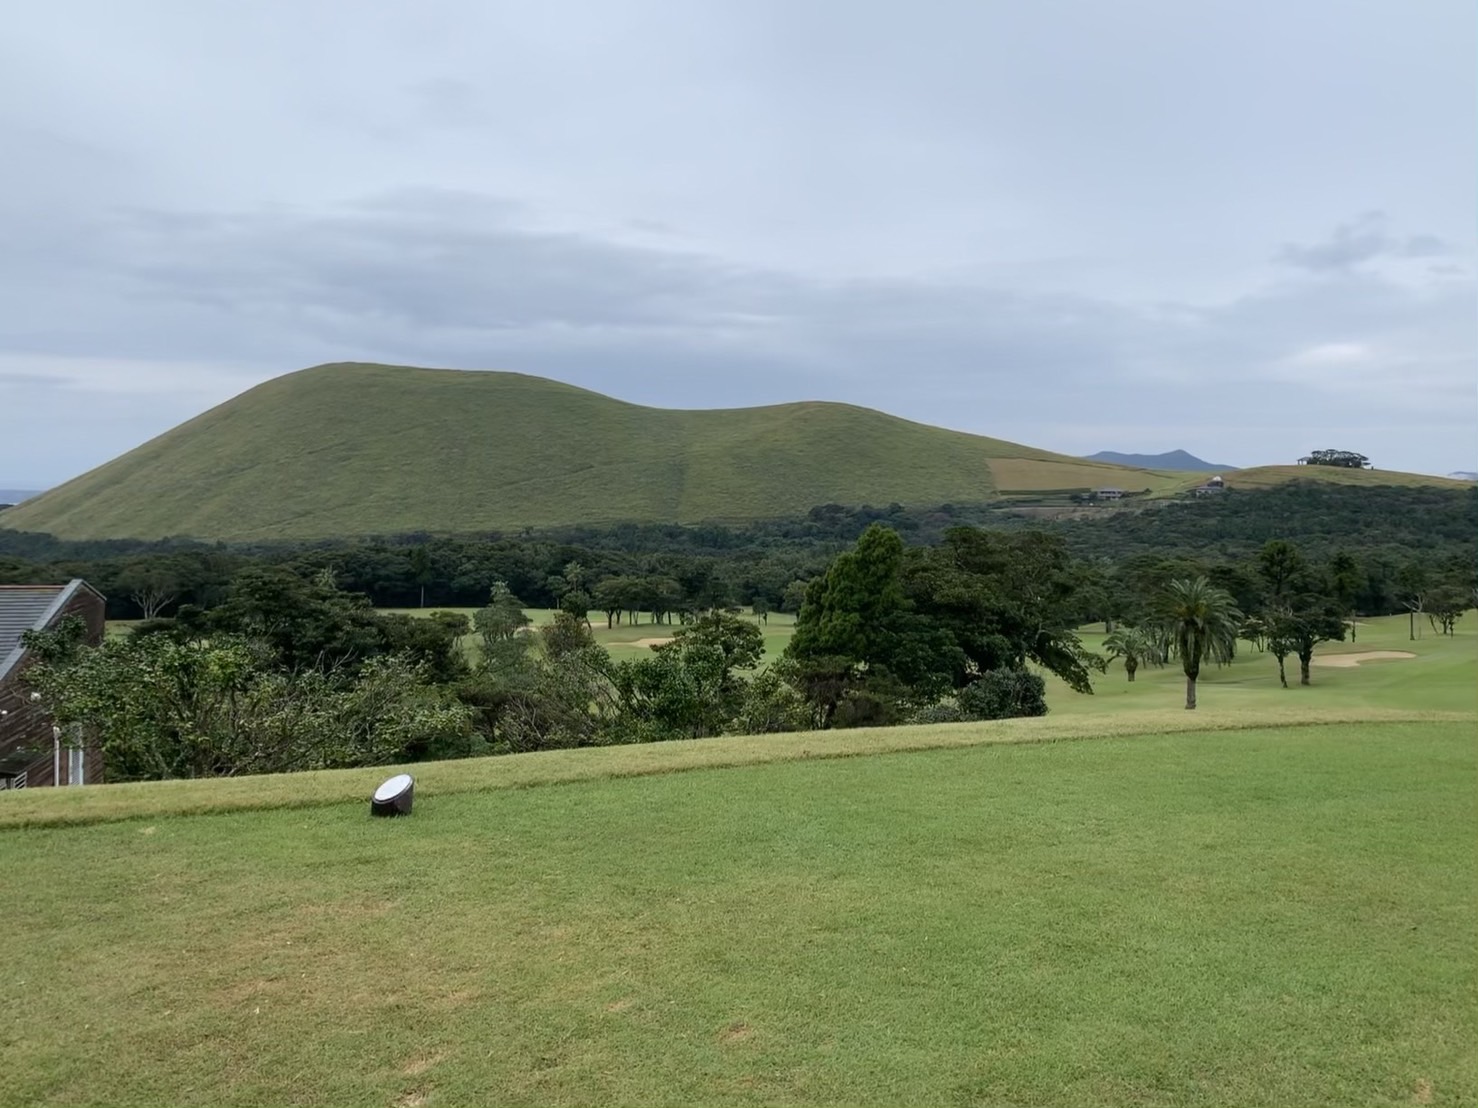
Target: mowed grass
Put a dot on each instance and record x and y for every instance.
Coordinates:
(1267, 902)
(1271, 916)
(1443, 675)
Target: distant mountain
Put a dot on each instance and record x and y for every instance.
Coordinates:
(1174, 459)
(347, 449)
(15, 496)
(1464, 475)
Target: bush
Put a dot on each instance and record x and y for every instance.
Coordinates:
(161, 708)
(1004, 694)
(946, 711)
(875, 702)
(770, 705)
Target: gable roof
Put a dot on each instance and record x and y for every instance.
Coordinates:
(30, 608)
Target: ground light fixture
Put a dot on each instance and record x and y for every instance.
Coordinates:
(394, 797)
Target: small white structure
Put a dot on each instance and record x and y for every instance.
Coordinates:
(1109, 494)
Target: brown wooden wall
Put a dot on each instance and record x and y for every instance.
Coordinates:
(27, 725)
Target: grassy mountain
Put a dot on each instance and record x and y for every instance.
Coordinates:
(350, 449)
(1173, 459)
(361, 449)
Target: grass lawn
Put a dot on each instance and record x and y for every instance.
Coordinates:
(1276, 916)
(1441, 676)
(1269, 901)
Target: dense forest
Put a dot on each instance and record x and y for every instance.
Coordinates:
(1423, 532)
(277, 659)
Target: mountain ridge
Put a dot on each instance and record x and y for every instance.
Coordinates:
(358, 449)
(1172, 459)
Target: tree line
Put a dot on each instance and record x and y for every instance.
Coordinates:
(1398, 536)
(292, 671)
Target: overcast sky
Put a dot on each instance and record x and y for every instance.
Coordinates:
(1241, 227)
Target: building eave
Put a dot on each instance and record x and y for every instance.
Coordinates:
(58, 604)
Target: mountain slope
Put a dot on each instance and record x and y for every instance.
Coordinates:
(1173, 459)
(352, 449)
(1262, 477)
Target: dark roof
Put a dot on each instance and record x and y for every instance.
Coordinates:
(29, 608)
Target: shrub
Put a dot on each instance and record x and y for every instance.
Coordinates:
(770, 705)
(1004, 694)
(946, 711)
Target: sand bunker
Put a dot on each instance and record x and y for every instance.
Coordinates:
(649, 642)
(1345, 661)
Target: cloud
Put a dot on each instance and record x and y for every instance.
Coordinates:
(112, 377)
(957, 212)
(1332, 353)
(1363, 239)
(460, 279)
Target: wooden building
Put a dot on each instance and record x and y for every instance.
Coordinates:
(33, 752)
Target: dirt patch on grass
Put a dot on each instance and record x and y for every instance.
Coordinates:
(413, 1099)
(736, 1032)
(1423, 1092)
(1345, 661)
(459, 998)
(648, 642)
(239, 993)
(421, 1063)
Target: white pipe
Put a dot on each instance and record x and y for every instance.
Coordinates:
(56, 755)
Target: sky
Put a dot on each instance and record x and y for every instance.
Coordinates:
(1239, 227)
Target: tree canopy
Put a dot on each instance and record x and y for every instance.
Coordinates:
(1344, 459)
(1198, 622)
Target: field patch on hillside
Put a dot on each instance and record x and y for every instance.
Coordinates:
(1028, 474)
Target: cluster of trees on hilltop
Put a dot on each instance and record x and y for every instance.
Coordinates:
(1340, 459)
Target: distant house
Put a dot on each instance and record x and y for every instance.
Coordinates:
(1109, 494)
(32, 752)
(1210, 488)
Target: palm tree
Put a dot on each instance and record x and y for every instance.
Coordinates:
(1136, 646)
(1200, 621)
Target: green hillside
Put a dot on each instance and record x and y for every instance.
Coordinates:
(362, 449)
(350, 449)
(1262, 477)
